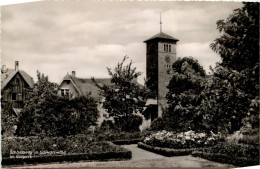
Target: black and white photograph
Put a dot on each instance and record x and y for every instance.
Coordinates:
(136, 84)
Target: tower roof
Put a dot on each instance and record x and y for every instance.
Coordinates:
(162, 36)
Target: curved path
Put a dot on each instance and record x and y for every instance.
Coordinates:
(140, 158)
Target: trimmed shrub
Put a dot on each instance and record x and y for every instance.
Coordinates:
(101, 156)
(166, 151)
(236, 154)
(123, 142)
(69, 145)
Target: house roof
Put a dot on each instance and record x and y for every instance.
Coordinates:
(7, 76)
(87, 86)
(162, 36)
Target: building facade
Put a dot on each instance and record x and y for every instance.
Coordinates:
(73, 86)
(15, 86)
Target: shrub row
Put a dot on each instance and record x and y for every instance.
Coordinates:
(223, 158)
(76, 144)
(123, 142)
(236, 154)
(166, 151)
(101, 156)
(235, 150)
(114, 136)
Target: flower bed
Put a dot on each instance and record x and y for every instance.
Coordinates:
(188, 139)
(236, 154)
(19, 150)
(177, 144)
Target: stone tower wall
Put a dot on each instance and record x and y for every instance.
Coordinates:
(164, 73)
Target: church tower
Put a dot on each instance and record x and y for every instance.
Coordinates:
(160, 55)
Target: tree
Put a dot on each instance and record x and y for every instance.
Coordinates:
(187, 82)
(46, 113)
(234, 85)
(8, 120)
(238, 45)
(224, 102)
(125, 97)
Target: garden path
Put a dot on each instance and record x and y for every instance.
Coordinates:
(140, 158)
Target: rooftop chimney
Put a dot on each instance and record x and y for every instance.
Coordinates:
(16, 65)
(73, 74)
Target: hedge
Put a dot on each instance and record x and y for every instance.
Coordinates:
(222, 158)
(124, 155)
(76, 148)
(231, 153)
(169, 152)
(123, 142)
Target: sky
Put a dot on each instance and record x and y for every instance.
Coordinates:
(57, 37)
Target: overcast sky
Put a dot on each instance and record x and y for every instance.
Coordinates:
(58, 37)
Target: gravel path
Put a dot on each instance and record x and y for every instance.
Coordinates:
(140, 158)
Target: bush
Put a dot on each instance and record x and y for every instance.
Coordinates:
(100, 156)
(129, 123)
(116, 136)
(75, 144)
(236, 154)
(57, 116)
(166, 151)
(157, 124)
(107, 125)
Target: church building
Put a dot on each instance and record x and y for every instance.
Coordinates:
(160, 55)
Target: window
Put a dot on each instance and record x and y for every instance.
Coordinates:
(65, 92)
(14, 96)
(167, 48)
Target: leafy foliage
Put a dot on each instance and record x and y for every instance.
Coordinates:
(8, 120)
(125, 97)
(187, 82)
(46, 113)
(228, 98)
(231, 94)
(238, 45)
(224, 102)
(157, 124)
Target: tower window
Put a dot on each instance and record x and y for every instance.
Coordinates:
(167, 48)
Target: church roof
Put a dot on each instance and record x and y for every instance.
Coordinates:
(7, 76)
(162, 36)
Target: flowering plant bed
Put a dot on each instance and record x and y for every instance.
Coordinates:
(231, 153)
(19, 150)
(183, 140)
(167, 151)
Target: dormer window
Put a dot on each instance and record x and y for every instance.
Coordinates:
(65, 92)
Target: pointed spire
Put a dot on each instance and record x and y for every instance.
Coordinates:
(160, 23)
